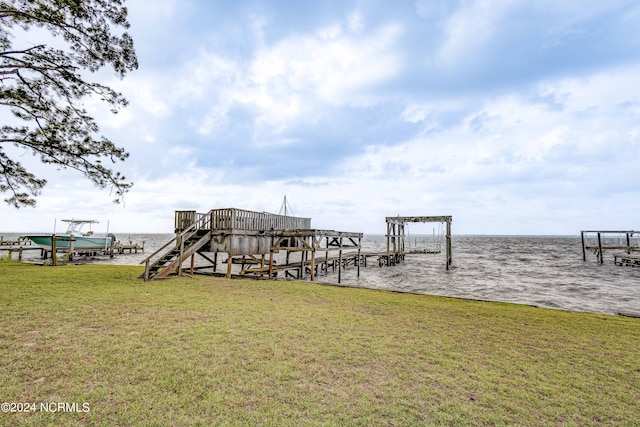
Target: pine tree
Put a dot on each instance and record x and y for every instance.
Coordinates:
(43, 87)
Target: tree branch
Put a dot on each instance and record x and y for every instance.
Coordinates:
(41, 86)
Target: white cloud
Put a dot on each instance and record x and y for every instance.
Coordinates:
(416, 113)
(331, 67)
(553, 145)
(291, 80)
(517, 154)
(355, 22)
(469, 29)
(280, 85)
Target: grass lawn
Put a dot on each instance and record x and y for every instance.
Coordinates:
(208, 351)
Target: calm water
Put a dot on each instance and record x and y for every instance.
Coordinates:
(542, 271)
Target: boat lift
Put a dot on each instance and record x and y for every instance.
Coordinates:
(396, 248)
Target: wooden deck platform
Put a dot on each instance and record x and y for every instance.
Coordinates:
(625, 259)
(130, 247)
(250, 241)
(19, 242)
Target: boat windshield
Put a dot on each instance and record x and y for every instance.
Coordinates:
(75, 226)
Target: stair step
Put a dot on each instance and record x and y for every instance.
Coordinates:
(173, 255)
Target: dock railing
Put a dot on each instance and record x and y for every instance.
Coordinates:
(239, 219)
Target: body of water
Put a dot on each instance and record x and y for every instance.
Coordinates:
(543, 271)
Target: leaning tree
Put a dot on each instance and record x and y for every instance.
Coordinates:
(43, 85)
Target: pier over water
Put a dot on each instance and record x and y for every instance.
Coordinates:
(599, 241)
(250, 240)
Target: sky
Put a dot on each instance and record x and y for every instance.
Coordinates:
(514, 117)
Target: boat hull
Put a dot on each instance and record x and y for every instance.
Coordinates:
(72, 243)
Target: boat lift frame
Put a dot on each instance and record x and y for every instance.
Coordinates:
(396, 236)
(601, 246)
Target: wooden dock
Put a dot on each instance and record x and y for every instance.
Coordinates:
(599, 241)
(19, 250)
(624, 259)
(129, 247)
(14, 243)
(238, 243)
(396, 247)
(251, 240)
(17, 246)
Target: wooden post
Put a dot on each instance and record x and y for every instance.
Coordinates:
(401, 240)
(448, 244)
(358, 259)
(286, 261)
(340, 262)
(326, 257)
(271, 259)
(600, 249)
(113, 245)
(215, 261)
(584, 253)
(180, 257)
(313, 257)
(388, 240)
(193, 259)
(229, 261)
(628, 244)
(392, 233)
(302, 259)
(54, 260)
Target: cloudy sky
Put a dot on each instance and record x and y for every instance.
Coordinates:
(515, 117)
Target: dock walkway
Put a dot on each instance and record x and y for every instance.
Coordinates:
(15, 243)
(130, 247)
(625, 259)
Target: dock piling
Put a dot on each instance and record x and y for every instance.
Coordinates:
(396, 237)
(604, 243)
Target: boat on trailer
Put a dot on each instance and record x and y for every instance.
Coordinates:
(74, 239)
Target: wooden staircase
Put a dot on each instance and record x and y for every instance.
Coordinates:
(184, 245)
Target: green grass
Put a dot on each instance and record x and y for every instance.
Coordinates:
(207, 351)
